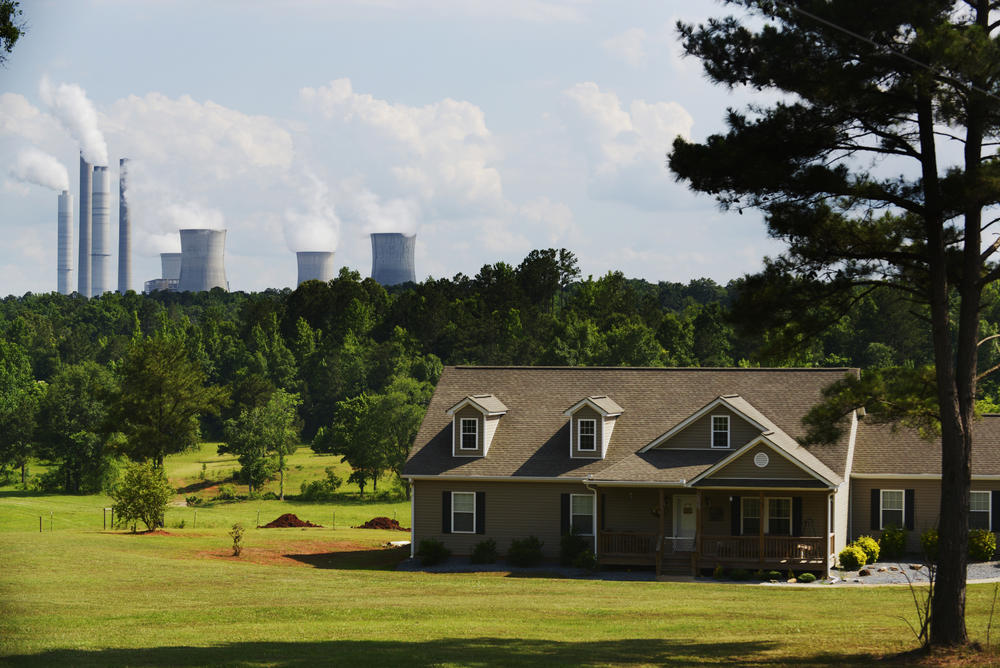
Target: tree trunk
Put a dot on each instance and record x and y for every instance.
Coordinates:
(24, 471)
(281, 484)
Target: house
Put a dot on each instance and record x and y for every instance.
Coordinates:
(681, 469)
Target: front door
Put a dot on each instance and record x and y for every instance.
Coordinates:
(685, 522)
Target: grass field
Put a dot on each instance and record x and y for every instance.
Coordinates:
(81, 596)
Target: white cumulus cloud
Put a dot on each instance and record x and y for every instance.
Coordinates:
(628, 46)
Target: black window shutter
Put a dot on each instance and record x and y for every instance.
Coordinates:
(564, 515)
(796, 515)
(909, 503)
(604, 497)
(480, 512)
(734, 516)
(876, 510)
(445, 512)
(995, 515)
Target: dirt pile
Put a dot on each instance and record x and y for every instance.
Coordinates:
(382, 523)
(288, 520)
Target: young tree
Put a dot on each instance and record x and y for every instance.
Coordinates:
(19, 397)
(263, 432)
(142, 496)
(852, 171)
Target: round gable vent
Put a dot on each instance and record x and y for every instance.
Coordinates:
(761, 459)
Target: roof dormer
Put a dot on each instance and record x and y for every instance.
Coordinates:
(591, 421)
(474, 420)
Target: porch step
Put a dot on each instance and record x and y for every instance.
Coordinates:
(676, 564)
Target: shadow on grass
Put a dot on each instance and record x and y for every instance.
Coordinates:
(356, 560)
(457, 651)
(197, 486)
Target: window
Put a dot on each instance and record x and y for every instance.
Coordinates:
(587, 436)
(463, 512)
(720, 431)
(779, 517)
(979, 510)
(892, 508)
(751, 516)
(581, 514)
(470, 434)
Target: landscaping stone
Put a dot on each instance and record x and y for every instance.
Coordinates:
(864, 571)
(916, 567)
(893, 569)
(882, 569)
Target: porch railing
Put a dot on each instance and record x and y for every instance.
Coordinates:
(775, 548)
(638, 543)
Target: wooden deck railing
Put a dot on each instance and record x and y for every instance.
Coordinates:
(625, 543)
(775, 548)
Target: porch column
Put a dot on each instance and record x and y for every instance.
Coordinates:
(760, 554)
(659, 537)
(699, 521)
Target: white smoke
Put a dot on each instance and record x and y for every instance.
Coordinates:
(69, 103)
(374, 214)
(40, 168)
(318, 228)
(191, 215)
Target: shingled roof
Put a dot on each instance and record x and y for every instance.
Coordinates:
(880, 450)
(531, 440)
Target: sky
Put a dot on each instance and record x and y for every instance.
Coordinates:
(487, 128)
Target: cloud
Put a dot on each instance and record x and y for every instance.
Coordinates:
(628, 46)
(69, 104)
(40, 168)
(20, 118)
(318, 227)
(554, 217)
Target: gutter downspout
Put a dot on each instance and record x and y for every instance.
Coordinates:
(413, 514)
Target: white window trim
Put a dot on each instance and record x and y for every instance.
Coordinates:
(791, 514)
(881, 507)
(712, 432)
(593, 513)
(579, 435)
(989, 506)
(473, 494)
(461, 434)
(743, 515)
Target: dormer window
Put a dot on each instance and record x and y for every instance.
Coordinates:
(720, 431)
(591, 422)
(587, 435)
(470, 434)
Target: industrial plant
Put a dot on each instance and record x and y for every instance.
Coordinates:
(314, 266)
(392, 258)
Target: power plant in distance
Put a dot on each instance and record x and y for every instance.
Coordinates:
(392, 258)
(314, 266)
(200, 266)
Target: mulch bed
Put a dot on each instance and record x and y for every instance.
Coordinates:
(289, 521)
(382, 523)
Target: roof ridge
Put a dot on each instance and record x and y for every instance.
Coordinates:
(651, 368)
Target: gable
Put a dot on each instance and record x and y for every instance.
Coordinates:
(698, 434)
(776, 467)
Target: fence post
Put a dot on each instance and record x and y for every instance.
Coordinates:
(50, 520)
(195, 519)
(104, 513)
(258, 518)
(39, 524)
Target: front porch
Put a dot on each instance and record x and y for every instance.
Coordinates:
(685, 531)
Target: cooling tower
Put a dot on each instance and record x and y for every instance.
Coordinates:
(315, 266)
(124, 231)
(100, 250)
(64, 259)
(202, 260)
(170, 266)
(86, 185)
(392, 258)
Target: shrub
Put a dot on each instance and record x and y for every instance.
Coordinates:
(929, 544)
(892, 542)
(740, 574)
(870, 547)
(852, 558)
(237, 534)
(982, 545)
(323, 489)
(773, 575)
(142, 496)
(586, 560)
(525, 552)
(226, 493)
(719, 572)
(485, 552)
(570, 547)
(193, 500)
(759, 574)
(807, 578)
(432, 552)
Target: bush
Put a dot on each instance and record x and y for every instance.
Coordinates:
(323, 489)
(586, 560)
(929, 545)
(892, 542)
(759, 574)
(525, 552)
(807, 578)
(237, 535)
(570, 547)
(982, 545)
(870, 547)
(773, 575)
(226, 493)
(432, 552)
(719, 573)
(142, 496)
(740, 574)
(852, 558)
(485, 552)
(193, 500)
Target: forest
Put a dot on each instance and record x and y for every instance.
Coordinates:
(87, 384)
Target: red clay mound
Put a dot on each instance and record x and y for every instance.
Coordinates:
(382, 523)
(288, 520)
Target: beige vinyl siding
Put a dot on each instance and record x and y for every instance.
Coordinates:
(491, 428)
(609, 427)
(633, 510)
(513, 510)
(468, 412)
(778, 467)
(588, 413)
(698, 434)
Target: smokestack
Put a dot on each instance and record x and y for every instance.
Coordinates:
(64, 262)
(86, 183)
(100, 251)
(202, 260)
(392, 258)
(124, 231)
(170, 266)
(315, 266)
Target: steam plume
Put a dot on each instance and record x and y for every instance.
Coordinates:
(70, 105)
(318, 229)
(40, 168)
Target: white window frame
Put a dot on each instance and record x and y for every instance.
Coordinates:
(462, 432)
(579, 434)
(989, 506)
(882, 509)
(593, 513)
(453, 511)
(712, 431)
(791, 513)
(743, 515)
